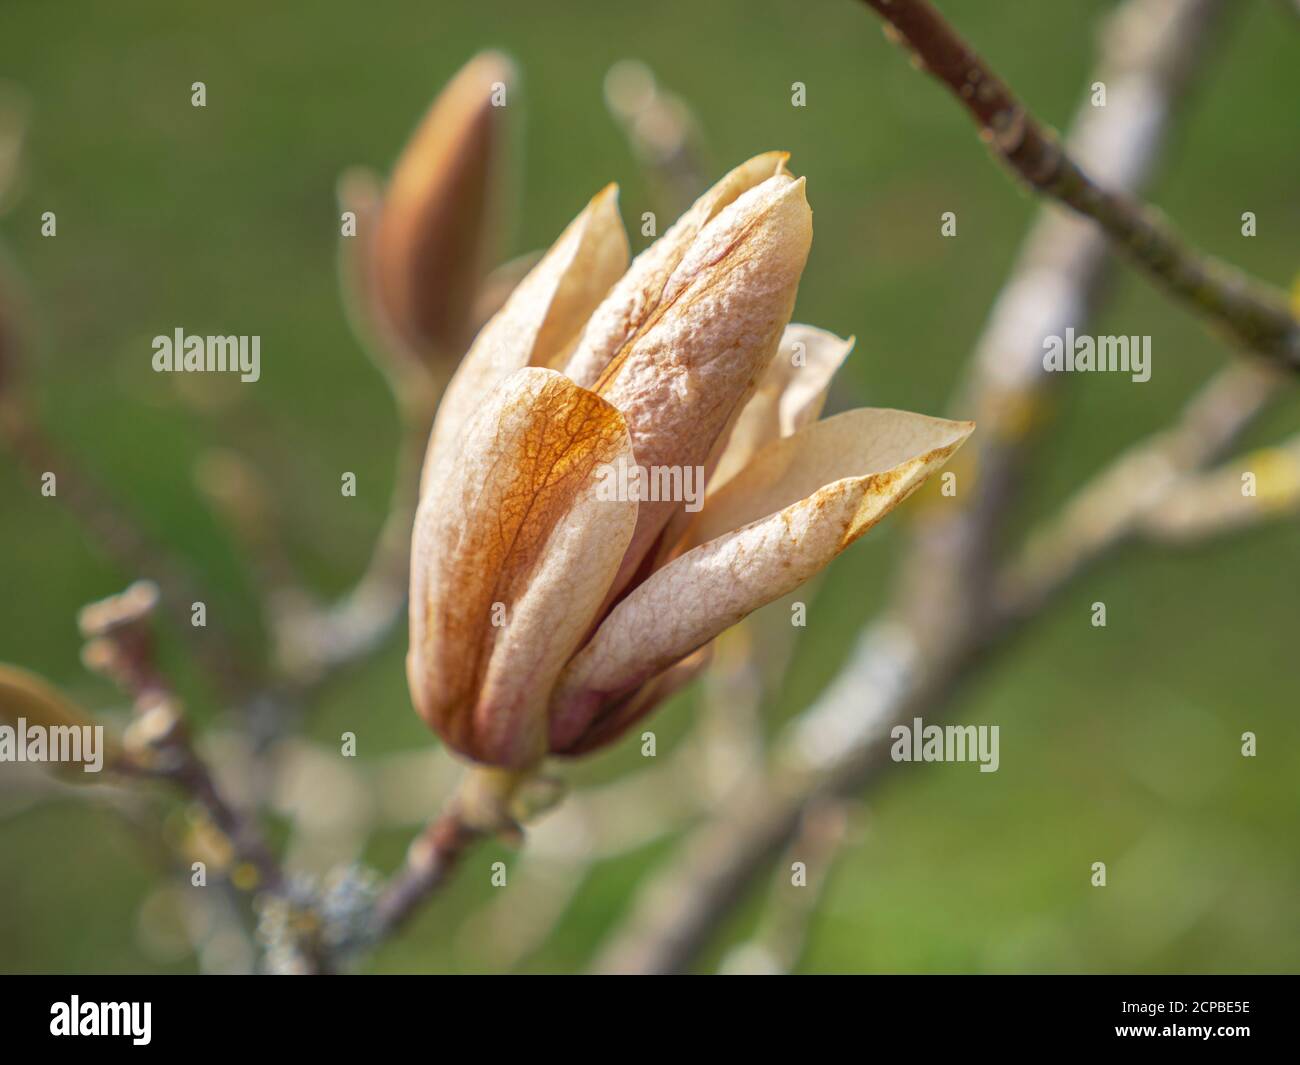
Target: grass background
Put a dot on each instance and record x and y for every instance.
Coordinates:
(1118, 744)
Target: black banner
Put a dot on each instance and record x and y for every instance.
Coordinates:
(1227, 1015)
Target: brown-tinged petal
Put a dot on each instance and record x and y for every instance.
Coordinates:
(801, 502)
(681, 379)
(790, 396)
(438, 212)
(512, 554)
(631, 302)
(540, 320)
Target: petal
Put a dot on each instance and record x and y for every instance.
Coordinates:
(631, 302)
(801, 502)
(439, 210)
(540, 319)
(680, 381)
(615, 719)
(515, 521)
(790, 396)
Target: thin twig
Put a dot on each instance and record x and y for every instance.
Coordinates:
(430, 861)
(628, 812)
(1254, 314)
(486, 802)
(637, 808)
(120, 645)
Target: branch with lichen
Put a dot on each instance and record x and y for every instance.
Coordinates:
(1254, 315)
(157, 746)
(487, 802)
(120, 646)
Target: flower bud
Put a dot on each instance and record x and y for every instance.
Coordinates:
(422, 245)
(547, 615)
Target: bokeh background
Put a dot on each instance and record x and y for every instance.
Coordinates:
(1118, 744)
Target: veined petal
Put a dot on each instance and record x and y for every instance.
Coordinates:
(540, 319)
(512, 554)
(801, 502)
(696, 361)
(631, 302)
(437, 216)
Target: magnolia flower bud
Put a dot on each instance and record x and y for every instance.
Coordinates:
(419, 256)
(547, 614)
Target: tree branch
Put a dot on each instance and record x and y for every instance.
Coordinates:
(430, 861)
(120, 645)
(487, 802)
(1212, 503)
(941, 626)
(1255, 315)
(1112, 507)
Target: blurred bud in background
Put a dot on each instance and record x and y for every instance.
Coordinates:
(414, 270)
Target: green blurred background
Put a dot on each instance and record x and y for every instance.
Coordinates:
(1118, 744)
